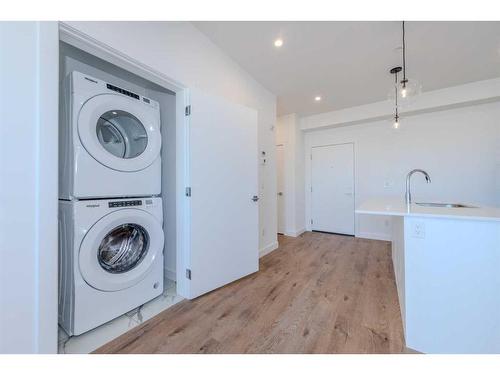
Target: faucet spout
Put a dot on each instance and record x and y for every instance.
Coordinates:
(408, 185)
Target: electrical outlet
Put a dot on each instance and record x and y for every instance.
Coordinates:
(419, 229)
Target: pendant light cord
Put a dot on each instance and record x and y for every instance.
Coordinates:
(404, 55)
(396, 92)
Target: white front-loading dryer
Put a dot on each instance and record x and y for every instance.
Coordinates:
(110, 141)
(111, 259)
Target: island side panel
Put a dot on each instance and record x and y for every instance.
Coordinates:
(452, 285)
(398, 261)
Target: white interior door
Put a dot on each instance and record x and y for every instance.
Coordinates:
(223, 228)
(280, 171)
(332, 195)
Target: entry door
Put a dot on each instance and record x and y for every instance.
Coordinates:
(280, 169)
(332, 195)
(223, 233)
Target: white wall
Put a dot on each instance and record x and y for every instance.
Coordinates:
(459, 148)
(180, 51)
(28, 175)
(288, 134)
(168, 182)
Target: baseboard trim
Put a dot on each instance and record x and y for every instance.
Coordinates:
(374, 236)
(295, 233)
(267, 249)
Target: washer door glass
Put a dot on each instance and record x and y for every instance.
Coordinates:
(123, 248)
(121, 134)
(120, 249)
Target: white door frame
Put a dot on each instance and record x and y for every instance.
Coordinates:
(309, 180)
(103, 51)
(29, 175)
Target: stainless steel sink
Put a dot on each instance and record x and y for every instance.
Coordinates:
(447, 205)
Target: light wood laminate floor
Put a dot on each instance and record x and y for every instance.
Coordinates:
(318, 293)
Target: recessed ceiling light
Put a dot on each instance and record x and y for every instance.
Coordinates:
(317, 98)
(278, 43)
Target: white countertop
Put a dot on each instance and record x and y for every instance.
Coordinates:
(397, 207)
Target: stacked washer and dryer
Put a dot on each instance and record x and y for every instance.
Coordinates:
(110, 211)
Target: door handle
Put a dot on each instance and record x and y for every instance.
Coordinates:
(255, 198)
(280, 193)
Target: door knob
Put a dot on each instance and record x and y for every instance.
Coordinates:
(255, 198)
(280, 193)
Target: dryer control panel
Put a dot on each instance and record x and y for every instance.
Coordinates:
(122, 91)
(125, 203)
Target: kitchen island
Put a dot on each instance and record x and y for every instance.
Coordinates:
(447, 267)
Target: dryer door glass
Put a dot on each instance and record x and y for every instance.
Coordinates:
(123, 248)
(121, 134)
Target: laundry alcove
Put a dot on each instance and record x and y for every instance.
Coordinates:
(209, 170)
(74, 59)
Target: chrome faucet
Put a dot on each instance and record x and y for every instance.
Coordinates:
(408, 178)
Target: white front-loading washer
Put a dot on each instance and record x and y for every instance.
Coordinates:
(109, 141)
(111, 259)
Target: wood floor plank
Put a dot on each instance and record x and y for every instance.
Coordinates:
(318, 293)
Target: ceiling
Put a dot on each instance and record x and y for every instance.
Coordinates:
(347, 63)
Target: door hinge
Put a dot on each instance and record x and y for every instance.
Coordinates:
(188, 110)
(311, 156)
(311, 221)
(311, 189)
(188, 274)
(188, 192)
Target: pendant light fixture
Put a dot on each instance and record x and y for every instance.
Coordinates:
(407, 88)
(396, 123)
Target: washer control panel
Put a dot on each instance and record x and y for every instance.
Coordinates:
(125, 203)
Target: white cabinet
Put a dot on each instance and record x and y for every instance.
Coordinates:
(447, 273)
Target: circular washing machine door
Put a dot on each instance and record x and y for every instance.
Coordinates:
(119, 250)
(119, 132)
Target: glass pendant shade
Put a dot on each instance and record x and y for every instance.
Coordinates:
(395, 123)
(406, 91)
